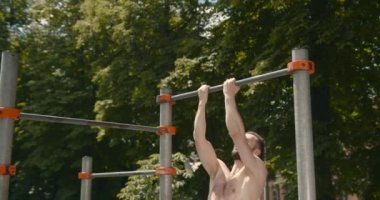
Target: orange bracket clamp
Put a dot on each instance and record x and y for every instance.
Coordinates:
(307, 65)
(84, 175)
(166, 129)
(165, 98)
(166, 171)
(11, 113)
(8, 170)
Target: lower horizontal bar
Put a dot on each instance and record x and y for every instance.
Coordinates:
(67, 120)
(122, 174)
(241, 82)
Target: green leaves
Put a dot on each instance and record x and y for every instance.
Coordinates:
(147, 187)
(107, 60)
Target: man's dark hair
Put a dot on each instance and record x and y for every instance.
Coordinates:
(261, 143)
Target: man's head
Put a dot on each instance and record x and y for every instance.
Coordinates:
(255, 142)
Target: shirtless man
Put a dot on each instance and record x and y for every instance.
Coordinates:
(246, 179)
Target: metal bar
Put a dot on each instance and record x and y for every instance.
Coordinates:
(122, 174)
(67, 120)
(86, 184)
(303, 128)
(8, 79)
(241, 82)
(165, 148)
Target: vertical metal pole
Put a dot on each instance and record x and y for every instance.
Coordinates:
(165, 147)
(86, 184)
(8, 79)
(303, 127)
(264, 196)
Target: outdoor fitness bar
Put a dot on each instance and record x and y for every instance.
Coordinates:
(8, 79)
(86, 181)
(165, 147)
(87, 176)
(122, 174)
(303, 127)
(241, 82)
(165, 171)
(302, 116)
(67, 120)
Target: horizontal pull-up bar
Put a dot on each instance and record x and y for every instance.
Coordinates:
(122, 174)
(86, 122)
(241, 82)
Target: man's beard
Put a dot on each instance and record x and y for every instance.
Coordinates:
(235, 154)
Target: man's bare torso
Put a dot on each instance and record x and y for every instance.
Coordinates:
(238, 184)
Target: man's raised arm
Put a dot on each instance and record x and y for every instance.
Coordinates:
(236, 129)
(205, 150)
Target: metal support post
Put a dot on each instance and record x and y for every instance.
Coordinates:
(8, 79)
(165, 147)
(86, 184)
(303, 128)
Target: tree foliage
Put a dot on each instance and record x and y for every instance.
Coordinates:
(106, 60)
(147, 187)
(54, 80)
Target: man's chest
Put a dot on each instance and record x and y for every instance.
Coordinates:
(225, 187)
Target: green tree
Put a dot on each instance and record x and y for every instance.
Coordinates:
(139, 42)
(255, 38)
(147, 187)
(4, 34)
(12, 17)
(107, 59)
(54, 80)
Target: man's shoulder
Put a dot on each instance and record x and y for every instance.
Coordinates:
(260, 171)
(259, 164)
(221, 163)
(222, 167)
